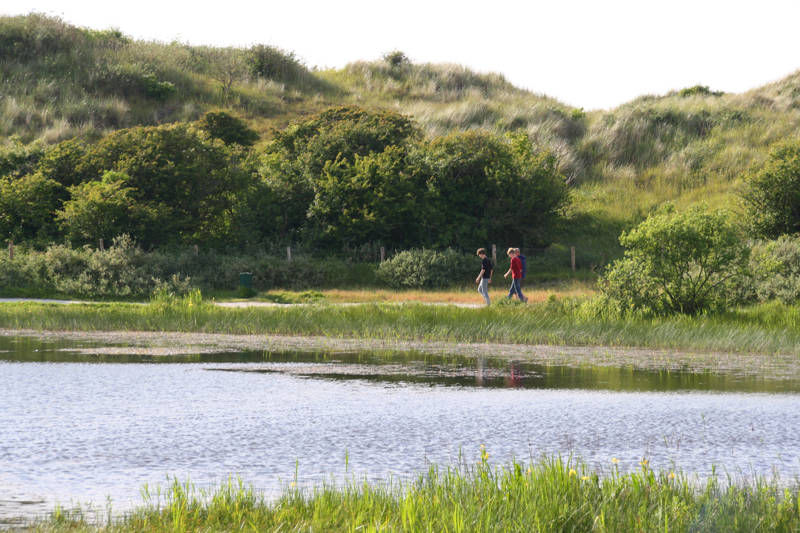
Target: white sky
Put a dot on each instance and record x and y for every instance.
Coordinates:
(591, 54)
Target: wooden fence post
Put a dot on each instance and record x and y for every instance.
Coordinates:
(494, 255)
(572, 257)
(383, 254)
(289, 254)
(11, 249)
(101, 245)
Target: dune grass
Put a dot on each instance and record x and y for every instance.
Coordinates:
(553, 494)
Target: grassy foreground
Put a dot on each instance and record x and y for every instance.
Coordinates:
(551, 495)
(764, 329)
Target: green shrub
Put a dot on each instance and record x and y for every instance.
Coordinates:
(775, 266)
(227, 128)
(772, 193)
(686, 262)
(27, 207)
(428, 269)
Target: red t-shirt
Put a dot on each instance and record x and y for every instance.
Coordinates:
(516, 267)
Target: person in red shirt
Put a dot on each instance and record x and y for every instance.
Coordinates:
(516, 275)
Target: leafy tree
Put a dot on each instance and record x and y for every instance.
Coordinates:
(227, 128)
(294, 164)
(178, 171)
(772, 193)
(103, 210)
(686, 262)
(27, 207)
(373, 199)
(480, 186)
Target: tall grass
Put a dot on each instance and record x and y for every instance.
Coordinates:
(764, 329)
(554, 494)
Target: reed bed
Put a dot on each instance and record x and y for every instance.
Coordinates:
(762, 329)
(553, 494)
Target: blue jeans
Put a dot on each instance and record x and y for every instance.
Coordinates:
(516, 288)
(483, 288)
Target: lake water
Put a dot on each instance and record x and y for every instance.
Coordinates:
(77, 428)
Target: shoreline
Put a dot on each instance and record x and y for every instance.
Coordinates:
(160, 343)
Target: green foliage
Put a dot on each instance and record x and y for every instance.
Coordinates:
(66, 163)
(18, 159)
(275, 64)
(372, 200)
(349, 177)
(396, 59)
(35, 35)
(484, 188)
(130, 80)
(775, 266)
(342, 133)
(428, 269)
(318, 157)
(772, 193)
(103, 209)
(176, 172)
(701, 90)
(686, 262)
(120, 271)
(27, 207)
(227, 128)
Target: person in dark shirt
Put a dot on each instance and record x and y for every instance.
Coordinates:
(516, 275)
(485, 277)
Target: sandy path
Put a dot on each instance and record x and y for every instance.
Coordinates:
(177, 343)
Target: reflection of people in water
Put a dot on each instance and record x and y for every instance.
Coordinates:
(514, 378)
(480, 364)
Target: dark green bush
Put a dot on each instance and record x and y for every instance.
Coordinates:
(772, 193)
(227, 128)
(428, 269)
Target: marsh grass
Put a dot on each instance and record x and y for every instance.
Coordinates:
(553, 494)
(762, 329)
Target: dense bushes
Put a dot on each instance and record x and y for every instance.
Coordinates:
(125, 270)
(427, 269)
(349, 177)
(344, 178)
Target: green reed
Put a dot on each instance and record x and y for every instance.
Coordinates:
(553, 494)
(765, 328)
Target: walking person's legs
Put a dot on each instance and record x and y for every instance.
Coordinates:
(483, 288)
(518, 287)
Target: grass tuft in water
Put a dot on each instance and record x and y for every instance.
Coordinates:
(554, 494)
